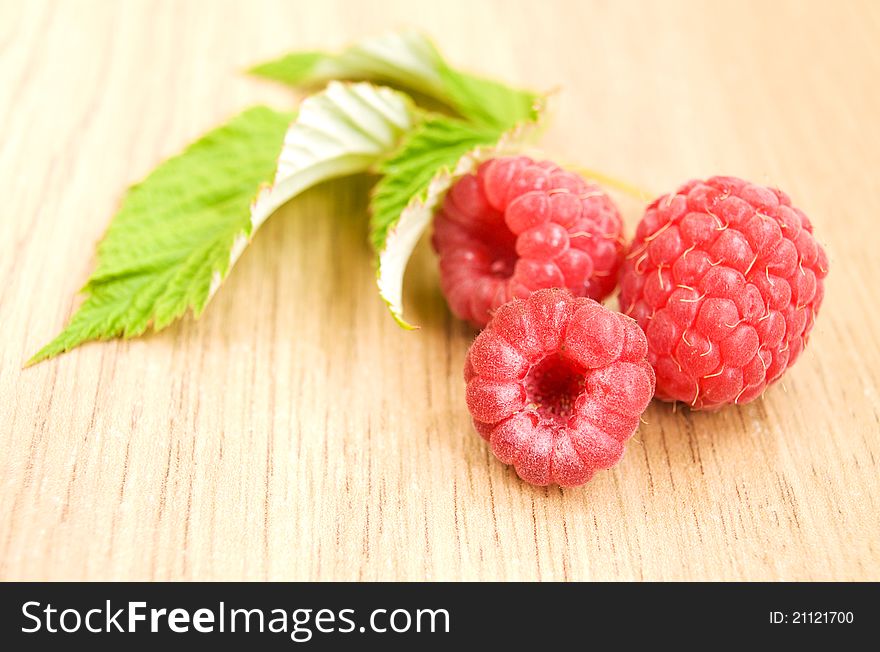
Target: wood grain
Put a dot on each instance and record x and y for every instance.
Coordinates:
(294, 432)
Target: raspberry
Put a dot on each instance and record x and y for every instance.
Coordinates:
(556, 384)
(726, 279)
(517, 226)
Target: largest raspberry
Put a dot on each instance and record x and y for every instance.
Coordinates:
(726, 279)
(517, 226)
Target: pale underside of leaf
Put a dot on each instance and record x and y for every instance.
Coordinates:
(403, 236)
(409, 60)
(406, 59)
(344, 130)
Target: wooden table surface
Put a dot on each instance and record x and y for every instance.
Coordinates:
(294, 432)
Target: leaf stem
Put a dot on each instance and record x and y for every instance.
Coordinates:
(613, 182)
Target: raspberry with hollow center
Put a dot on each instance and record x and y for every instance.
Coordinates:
(556, 384)
(517, 226)
(726, 278)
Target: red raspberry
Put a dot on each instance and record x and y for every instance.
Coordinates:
(517, 226)
(556, 384)
(726, 279)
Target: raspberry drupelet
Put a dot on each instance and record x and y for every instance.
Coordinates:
(517, 226)
(726, 279)
(556, 384)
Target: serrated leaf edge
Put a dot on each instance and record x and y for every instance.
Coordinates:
(290, 179)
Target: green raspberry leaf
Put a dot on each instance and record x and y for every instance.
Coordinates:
(180, 230)
(488, 102)
(439, 148)
(409, 60)
(431, 158)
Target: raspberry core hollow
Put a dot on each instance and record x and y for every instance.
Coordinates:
(556, 384)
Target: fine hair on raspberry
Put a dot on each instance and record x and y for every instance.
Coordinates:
(516, 226)
(726, 279)
(556, 384)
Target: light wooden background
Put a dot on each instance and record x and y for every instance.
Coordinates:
(295, 432)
